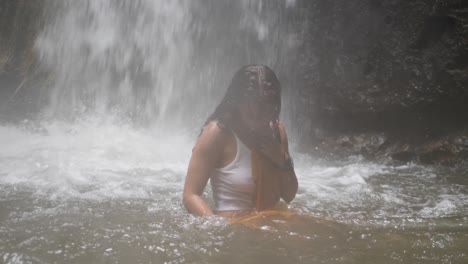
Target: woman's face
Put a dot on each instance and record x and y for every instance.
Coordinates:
(257, 115)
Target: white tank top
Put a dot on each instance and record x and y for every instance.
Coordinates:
(233, 185)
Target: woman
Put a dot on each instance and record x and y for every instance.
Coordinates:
(243, 150)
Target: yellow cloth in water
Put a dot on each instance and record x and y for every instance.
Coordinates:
(268, 192)
(261, 215)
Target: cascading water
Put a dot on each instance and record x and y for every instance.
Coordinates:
(164, 63)
(98, 176)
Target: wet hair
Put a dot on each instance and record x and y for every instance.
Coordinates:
(252, 82)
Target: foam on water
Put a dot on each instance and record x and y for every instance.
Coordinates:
(93, 157)
(101, 189)
(103, 158)
(106, 157)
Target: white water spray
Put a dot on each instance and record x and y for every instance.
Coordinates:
(165, 63)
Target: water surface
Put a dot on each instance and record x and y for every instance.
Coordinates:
(97, 192)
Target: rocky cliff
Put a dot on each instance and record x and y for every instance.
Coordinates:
(387, 78)
(20, 21)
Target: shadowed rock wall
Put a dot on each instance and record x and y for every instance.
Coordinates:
(386, 77)
(20, 21)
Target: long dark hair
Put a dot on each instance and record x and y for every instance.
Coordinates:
(256, 82)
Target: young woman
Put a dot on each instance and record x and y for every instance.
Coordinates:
(243, 150)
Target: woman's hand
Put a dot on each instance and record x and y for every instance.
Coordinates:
(273, 143)
(270, 144)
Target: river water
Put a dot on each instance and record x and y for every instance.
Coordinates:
(97, 175)
(100, 191)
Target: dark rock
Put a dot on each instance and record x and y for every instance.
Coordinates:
(449, 150)
(445, 150)
(394, 67)
(20, 22)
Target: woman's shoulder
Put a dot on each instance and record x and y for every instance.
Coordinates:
(213, 136)
(282, 128)
(215, 129)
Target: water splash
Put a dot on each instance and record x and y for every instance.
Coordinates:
(93, 158)
(159, 62)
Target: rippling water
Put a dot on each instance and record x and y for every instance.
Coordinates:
(104, 191)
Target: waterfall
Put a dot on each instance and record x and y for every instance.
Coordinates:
(166, 63)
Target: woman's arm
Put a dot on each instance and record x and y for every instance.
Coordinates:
(205, 157)
(289, 182)
(278, 153)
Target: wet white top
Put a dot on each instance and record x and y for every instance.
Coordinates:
(233, 185)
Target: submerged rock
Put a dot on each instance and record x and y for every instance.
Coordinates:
(446, 150)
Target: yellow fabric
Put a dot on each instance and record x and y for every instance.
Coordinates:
(246, 219)
(288, 223)
(268, 192)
